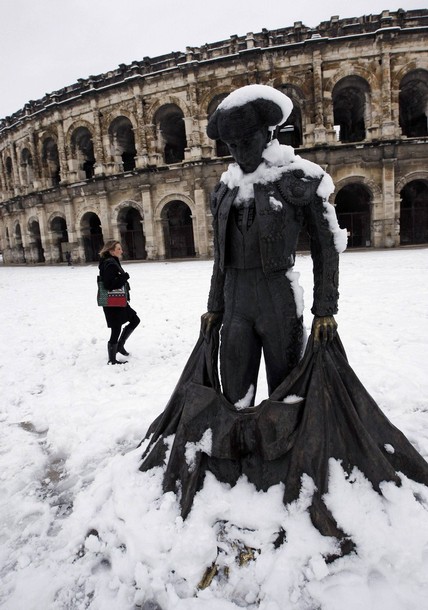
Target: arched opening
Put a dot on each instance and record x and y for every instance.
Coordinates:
(50, 160)
(59, 236)
(413, 100)
(353, 214)
(131, 234)
(290, 132)
(27, 167)
(19, 248)
(35, 242)
(178, 230)
(350, 96)
(414, 213)
(221, 149)
(82, 149)
(169, 120)
(92, 236)
(123, 142)
(9, 171)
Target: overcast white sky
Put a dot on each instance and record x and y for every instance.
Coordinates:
(48, 44)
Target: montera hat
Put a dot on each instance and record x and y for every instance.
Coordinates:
(247, 110)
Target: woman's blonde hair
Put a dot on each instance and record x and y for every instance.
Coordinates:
(109, 245)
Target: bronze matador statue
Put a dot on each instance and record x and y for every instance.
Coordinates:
(259, 207)
(317, 409)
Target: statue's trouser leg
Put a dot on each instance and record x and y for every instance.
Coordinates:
(259, 312)
(280, 330)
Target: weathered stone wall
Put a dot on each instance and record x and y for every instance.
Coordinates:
(77, 166)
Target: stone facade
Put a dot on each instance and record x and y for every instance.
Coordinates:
(125, 154)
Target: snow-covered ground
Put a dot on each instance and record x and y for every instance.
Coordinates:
(81, 527)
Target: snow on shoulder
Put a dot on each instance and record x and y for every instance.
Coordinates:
(250, 93)
(278, 159)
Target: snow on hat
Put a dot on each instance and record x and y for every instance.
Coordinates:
(266, 106)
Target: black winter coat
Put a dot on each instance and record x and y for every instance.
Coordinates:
(113, 276)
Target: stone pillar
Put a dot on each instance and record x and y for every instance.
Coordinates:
(388, 128)
(45, 234)
(62, 156)
(320, 132)
(100, 160)
(142, 157)
(193, 136)
(72, 233)
(37, 164)
(106, 224)
(200, 228)
(391, 238)
(148, 224)
(15, 171)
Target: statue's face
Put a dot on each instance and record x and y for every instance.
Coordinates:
(247, 149)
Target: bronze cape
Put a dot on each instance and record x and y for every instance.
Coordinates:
(278, 442)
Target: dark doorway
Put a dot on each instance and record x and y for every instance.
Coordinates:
(59, 235)
(414, 213)
(131, 234)
(36, 242)
(353, 213)
(92, 236)
(414, 104)
(178, 230)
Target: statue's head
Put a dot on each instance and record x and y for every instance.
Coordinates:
(245, 119)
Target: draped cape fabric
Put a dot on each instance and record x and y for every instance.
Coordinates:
(332, 416)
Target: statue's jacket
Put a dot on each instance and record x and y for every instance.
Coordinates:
(283, 209)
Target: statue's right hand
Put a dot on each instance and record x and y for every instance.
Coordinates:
(210, 321)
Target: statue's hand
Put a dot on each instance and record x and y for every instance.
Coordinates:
(323, 330)
(209, 322)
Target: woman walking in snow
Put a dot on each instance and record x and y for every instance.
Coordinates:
(113, 276)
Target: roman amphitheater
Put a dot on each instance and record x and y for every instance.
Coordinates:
(125, 154)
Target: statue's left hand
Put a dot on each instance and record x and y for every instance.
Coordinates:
(323, 329)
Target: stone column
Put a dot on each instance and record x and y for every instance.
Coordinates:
(45, 234)
(100, 160)
(391, 238)
(193, 136)
(200, 227)
(106, 224)
(320, 132)
(62, 156)
(148, 222)
(388, 128)
(142, 157)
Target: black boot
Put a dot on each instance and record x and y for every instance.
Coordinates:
(126, 332)
(112, 351)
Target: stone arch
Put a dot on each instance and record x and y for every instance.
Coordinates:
(171, 132)
(413, 103)
(8, 171)
(27, 168)
(50, 159)
(353, 209)
(18, 252)
(291, 132)
(414, 211)
(351, 103)
(92, 235)
(121, 133)
(81, 148)
(177, 225)
(221, 149)
(130, 224)
(153, 109)
(35, 241)
(57, 225)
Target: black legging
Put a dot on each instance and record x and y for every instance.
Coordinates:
(115, 330)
